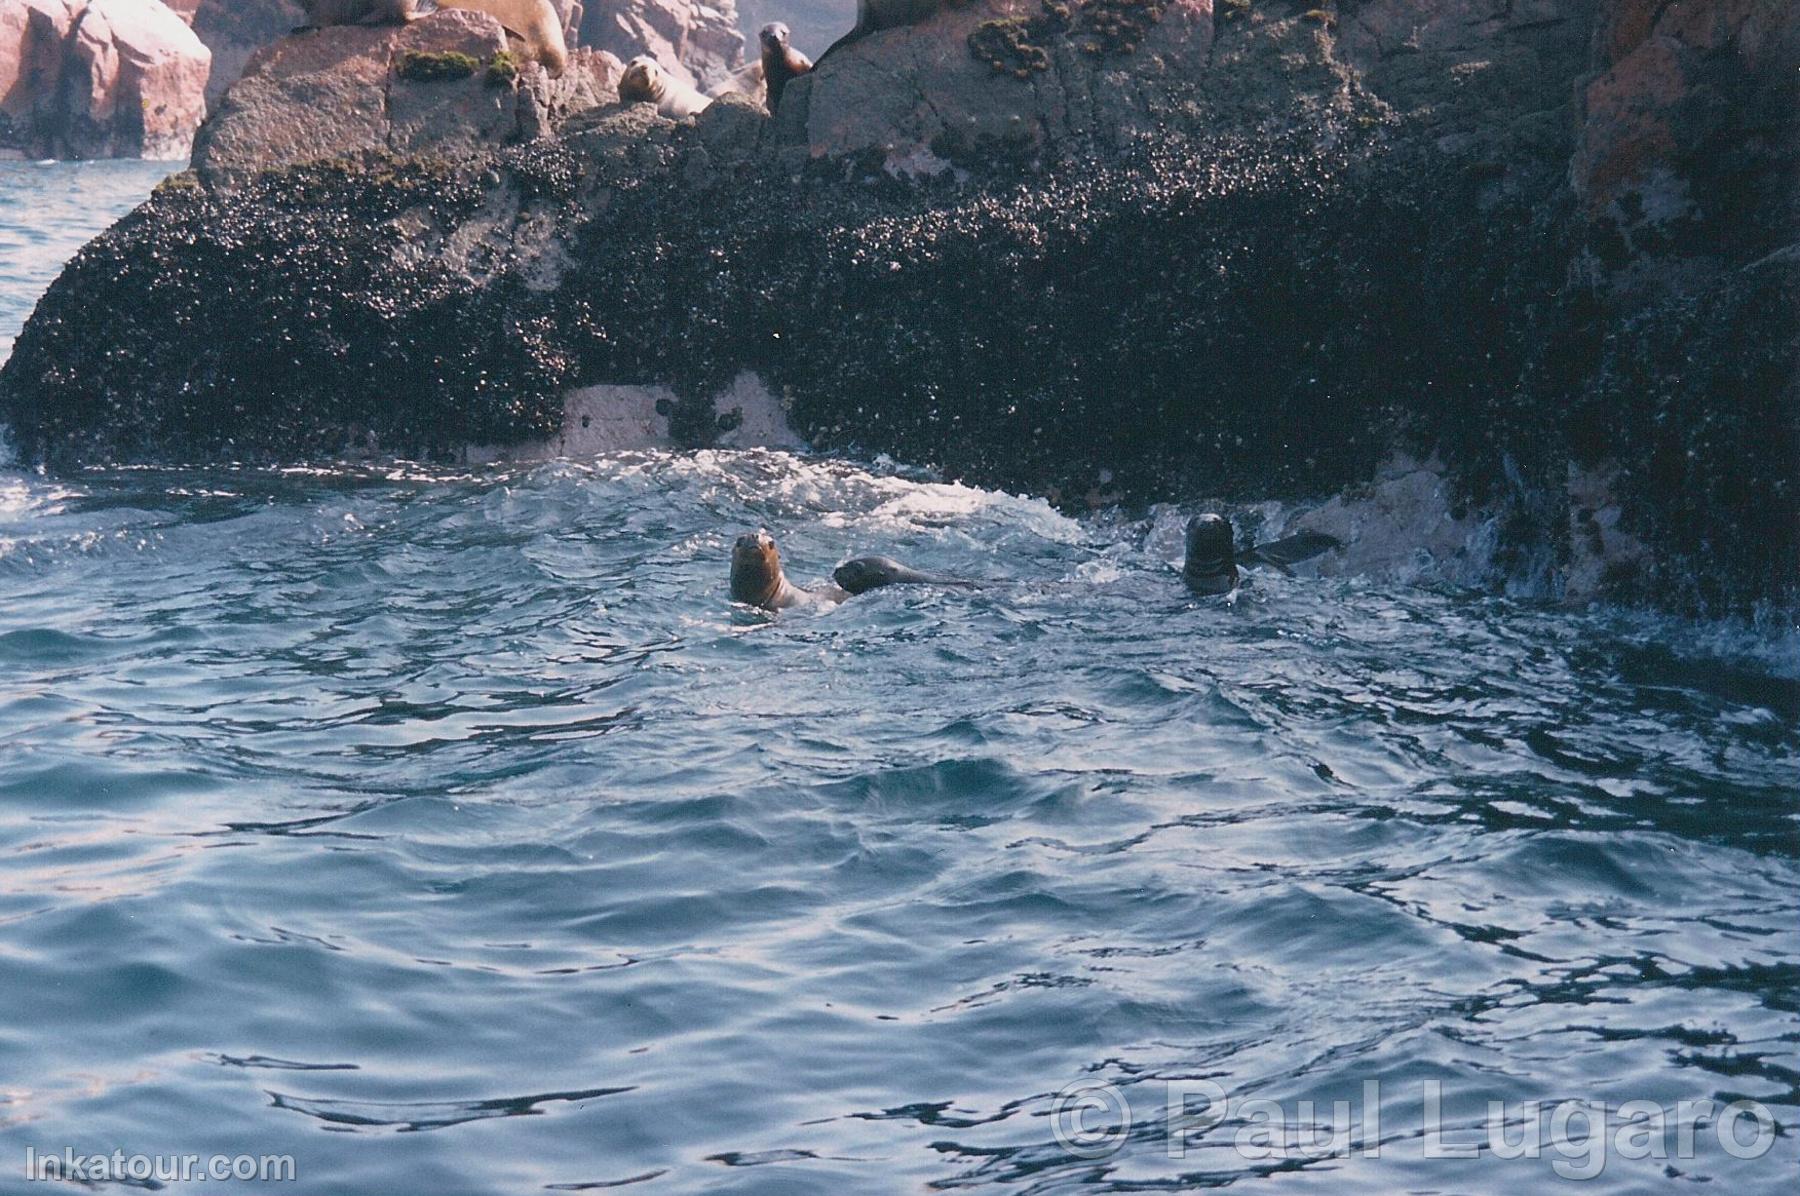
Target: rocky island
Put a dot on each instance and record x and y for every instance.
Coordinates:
(1104, 250)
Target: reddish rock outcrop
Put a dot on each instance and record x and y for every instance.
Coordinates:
(99, 79)
(1689, 137)
(697, 41)
(685, 35)
(431, 89)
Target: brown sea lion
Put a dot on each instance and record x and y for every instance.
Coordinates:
(757, 579)
(872, 16)
(323, 13)
(535, 23)
(1212, 560)
(780, 62)
(644, 81)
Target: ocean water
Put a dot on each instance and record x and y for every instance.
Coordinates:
(450, 832)
(48, 210)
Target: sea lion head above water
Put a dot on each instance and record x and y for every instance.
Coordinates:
(1211, 564)
(756, 577)
(1212, 560)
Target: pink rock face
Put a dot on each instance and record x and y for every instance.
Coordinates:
(698, 42)
(342, 92)
(99, 79)
(235, 29)
(700, 37)
(136, 85)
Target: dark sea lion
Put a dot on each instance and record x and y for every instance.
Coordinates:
(867, 573)
(872, 16)
(322, 13)
(1212, 560)
(780, 62)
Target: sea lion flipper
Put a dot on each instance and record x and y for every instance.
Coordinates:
(1291, 550)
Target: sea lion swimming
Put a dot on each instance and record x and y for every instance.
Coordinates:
(757, 579)
(780, 62)
(644, 81)
(867, 573)
(756, 576)
(1212, 559)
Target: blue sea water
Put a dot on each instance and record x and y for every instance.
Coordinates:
(48, 210)
(450, 832)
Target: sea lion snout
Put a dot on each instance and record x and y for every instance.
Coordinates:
(753, 542)
(774, 35)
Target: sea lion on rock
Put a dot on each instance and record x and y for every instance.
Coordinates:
(323, 13)
(644, 81)
(757, 579)
(533, 22)
(780, 62)
(1212, 560)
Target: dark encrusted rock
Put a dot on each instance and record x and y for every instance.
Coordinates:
(1307, 259)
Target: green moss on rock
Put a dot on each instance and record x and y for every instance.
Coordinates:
(503, 69)
(419, 66)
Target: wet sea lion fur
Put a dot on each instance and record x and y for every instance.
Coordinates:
(1211, 562)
